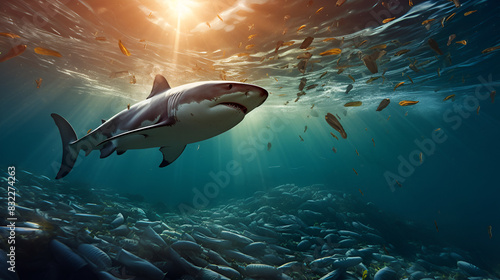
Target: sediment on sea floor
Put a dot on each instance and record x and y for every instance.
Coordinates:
(287, 232)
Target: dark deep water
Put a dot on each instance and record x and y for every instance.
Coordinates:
(454, 183)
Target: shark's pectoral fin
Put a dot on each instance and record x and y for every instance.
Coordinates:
(170, 154)
(107, 149)
(120, 152)
(142, 132)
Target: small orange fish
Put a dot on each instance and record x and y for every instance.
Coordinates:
(427, 21)
(9, 35)
(451, 96)
(334, 51)
(362, 43)
(477, 110)
(100, 38)
(381, 47)
(388, 20)
(242, 54)
(250, 37)
(463, 42)
(399, 184)
(409, 78)
(43, 51)
(219, 17)
(247, 47)
(450, 39)
(490, 49)
(373, 142)
(15, 51)
(401, 52)
(398, 85)
(420, 156)
(123, 48)
(322, 75)
(328, 39)
(436, 224)
(355, 171)
(353, 80)
(360, 192)
(301, 27)
(469, 12)
(357, 152)
(38, 82)
(128, 106)
(289, 43)
(369, 81)
(437, 129)
(319, 10)
(410, 3)
(339, 3)
(388, 117)
(88, 131)
(353, 104)
(407, 102)
(208, 24)
(334, 135)
(450, 17)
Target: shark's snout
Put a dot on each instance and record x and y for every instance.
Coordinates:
(243, 97)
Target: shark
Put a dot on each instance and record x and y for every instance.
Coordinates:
(169, 119)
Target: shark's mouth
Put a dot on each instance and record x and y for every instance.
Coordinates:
(235, 106)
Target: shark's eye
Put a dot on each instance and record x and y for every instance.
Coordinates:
(230, 86)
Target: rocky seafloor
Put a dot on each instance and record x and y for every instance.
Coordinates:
(288, 232)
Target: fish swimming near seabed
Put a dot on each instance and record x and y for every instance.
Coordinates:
(169, 118)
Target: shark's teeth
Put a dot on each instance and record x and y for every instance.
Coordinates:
(236, 106)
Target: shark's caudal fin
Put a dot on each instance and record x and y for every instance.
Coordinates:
(70, 153)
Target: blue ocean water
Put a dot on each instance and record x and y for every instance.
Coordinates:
(443, 153)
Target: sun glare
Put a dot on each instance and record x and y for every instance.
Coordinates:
(181, 7)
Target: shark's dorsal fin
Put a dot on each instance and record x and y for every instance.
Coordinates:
(103, 121)
(159, 85)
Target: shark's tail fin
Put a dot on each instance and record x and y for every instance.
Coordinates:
(70, 153)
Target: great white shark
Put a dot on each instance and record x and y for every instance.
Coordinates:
(169, 118)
